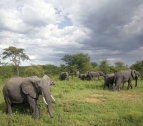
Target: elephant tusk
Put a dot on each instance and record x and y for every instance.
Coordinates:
(45, 101)
(53, 98)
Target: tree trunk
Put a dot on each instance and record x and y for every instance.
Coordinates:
(17, 70)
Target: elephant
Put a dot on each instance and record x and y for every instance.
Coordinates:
(124, 76)
(97, 74)
(138, 74)
(27, 90)
(109, 80)
(64, 75)
(137, 77)
(82, 76)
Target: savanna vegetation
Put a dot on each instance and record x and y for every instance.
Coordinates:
(81, 103)
(78, 102)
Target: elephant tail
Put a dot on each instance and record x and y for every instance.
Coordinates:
(6, 97)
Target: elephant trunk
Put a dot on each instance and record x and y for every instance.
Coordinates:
(47, 96)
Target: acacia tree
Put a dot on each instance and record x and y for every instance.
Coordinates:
(15, 55)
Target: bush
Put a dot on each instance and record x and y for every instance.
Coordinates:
(34, 71)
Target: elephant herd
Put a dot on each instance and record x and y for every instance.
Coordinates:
(117, 78)
(88, 76)
(27, 90)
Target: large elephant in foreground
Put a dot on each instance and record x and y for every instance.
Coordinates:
(20, 90)
(109, 80)
(124, 76)
(97, 74)
(64, 75)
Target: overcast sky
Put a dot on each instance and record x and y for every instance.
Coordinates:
(50, 29)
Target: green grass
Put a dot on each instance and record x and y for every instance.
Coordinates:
(80, 103)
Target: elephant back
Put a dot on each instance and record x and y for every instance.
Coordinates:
(14, 81)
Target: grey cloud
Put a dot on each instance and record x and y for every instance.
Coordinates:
(109, 29)
(107, 24)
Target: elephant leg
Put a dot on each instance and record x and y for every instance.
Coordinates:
(117, 87)
(9, 107)
(129, 84)
(34, 107)
(110, 86)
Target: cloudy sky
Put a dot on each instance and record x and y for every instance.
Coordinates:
(50, 29)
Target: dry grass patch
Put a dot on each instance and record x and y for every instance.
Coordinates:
(95, 98)
(97, 95)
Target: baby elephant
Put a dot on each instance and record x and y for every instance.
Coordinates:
(109, 80)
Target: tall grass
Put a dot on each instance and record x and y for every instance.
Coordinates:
(80, 103)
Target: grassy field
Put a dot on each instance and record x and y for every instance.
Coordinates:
(82, 103)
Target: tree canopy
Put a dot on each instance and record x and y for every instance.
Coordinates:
(81, 62)
(78, 61)
(104, 66)
(15, 55)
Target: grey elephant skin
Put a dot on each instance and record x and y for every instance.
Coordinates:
(124, 76)
(19, 90)
(64, 75)
(136, 78)
(97, 74)
(109, 80)
(82, 76)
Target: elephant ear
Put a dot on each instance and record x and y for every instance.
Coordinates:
(133, 73)
(29, 88)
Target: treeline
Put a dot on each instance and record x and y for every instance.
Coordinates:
(76, 62)
(8, 71)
